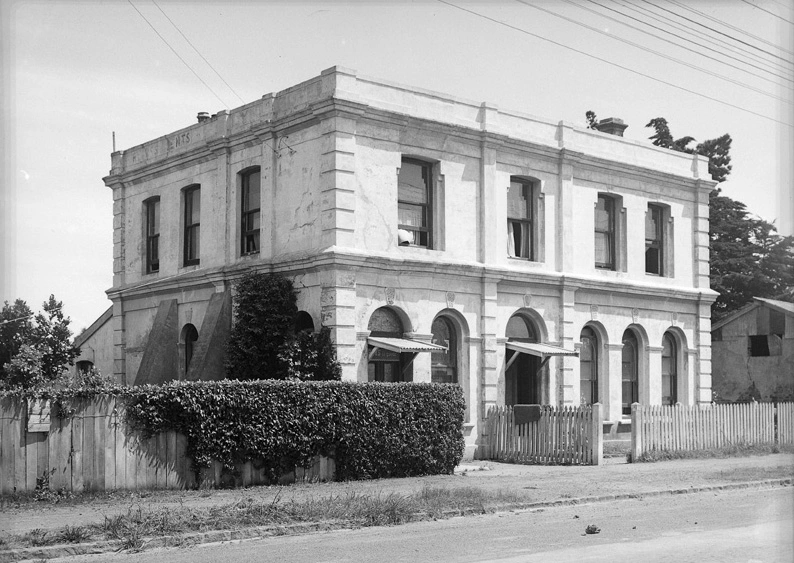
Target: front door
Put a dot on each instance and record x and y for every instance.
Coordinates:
(522, 381)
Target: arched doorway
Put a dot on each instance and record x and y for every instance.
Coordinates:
(189, 338)
(383, 364)
(669, 370)
(630, 370)
(303, 322)
(588, 367)
(522, 380)
(444, 363)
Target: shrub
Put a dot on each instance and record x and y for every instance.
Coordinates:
(263, 343)
(371, 430)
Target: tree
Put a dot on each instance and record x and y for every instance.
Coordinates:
(39, 351)
(264, 316)
(15, 328)
(263, 343)
(748, 258)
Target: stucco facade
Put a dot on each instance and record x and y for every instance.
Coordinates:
(514, 229)
(754, 353)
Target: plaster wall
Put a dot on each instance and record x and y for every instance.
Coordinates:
(738, 376)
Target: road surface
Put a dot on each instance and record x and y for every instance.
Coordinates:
(745, 525)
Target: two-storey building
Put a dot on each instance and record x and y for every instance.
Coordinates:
(526, 260)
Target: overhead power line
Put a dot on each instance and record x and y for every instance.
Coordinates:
(717, 41)
(639, 20)
(178, 56)
(657, 53)
(733, 27)
(198, 52)
(767, 11)
(557, 43)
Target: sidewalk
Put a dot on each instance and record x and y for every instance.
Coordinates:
(535, 484)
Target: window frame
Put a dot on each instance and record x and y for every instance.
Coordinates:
(610, 232)
(192, 230)
(450, 367)
(657, 243)
(589, 334)
(246, 213)
(527, 223)
(152, 213)
(427, 208)
(672, 374)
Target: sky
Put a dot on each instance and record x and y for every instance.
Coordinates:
(74, 73)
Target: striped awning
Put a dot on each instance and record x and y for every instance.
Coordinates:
(401, 344)
(540, 350)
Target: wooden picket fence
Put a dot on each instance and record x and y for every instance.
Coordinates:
(92, 448)
(703, 427)
(562, 436)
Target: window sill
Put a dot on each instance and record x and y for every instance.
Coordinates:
(522, 260)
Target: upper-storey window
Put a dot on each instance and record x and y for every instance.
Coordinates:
(250, 211)
(605, 233)
(415, 201)
(520, 212)
(654, 241)
(152, 235)
(192, 198)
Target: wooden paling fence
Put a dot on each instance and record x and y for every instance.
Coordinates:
(703, 427)
(561, 436)
(92, 448)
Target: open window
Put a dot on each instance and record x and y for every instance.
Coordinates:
(521, 219)
(415, 203)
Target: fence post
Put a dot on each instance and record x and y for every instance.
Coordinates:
(597, 435)
(636, 433)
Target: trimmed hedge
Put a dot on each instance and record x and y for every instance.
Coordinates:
(371, 430)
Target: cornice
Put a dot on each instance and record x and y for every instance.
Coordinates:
(361, 263)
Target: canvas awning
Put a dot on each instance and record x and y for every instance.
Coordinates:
(543, 351)
(400, 345)
(539, 350)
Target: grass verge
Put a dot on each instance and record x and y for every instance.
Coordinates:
(352, 509)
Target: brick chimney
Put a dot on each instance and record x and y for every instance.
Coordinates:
(203, 116)
(611, 125)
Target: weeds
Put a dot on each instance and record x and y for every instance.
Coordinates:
(727, 451)
(74, 534)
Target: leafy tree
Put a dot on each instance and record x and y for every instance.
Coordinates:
(39, 351)
(263, 343)
(264, 313)
(15, 328)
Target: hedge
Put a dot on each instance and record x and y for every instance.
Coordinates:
(371, 430)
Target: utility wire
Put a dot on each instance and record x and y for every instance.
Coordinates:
(767, 11)
(726, 25)
(198, 52)
(721, 43)
(524, 31)
(675, 43)
(177, 54)
(657, 53)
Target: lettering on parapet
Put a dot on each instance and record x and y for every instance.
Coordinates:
(178, 141)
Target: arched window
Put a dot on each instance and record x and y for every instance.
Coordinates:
(630, 362)
(84, 366)
(444, 363)
(588, 367)
(522, 380)
(669, 370)
(189, 337)
(387, 365)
